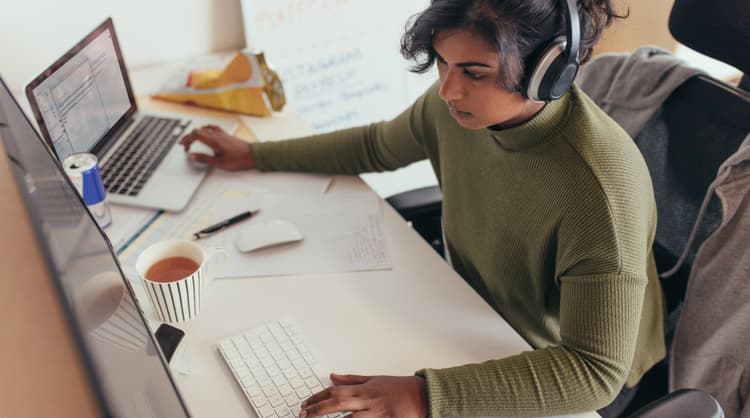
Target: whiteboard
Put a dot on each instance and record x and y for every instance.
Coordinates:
(339, 60)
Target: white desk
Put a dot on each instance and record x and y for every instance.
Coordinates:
(419, 314)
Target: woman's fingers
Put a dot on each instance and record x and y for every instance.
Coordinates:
(348, 379)
(229, 152)
(205, 134)
(332, 405)
(331, 392)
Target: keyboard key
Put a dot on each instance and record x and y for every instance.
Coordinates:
(305, 372)
(299, 364)
(259, 401)
(292, 400)
(266, 411)
(290, 374)
(282, 411)
(242, 371)
(253, 390)
(226, 346)
(258, 372)
(312, 382)
(267, 362)
(264, 381)
(278, 380)
(303, 393)
(296, 383)
(276, 400)
(273, 371)
(285, 389)
(270, 391)
(284, 364)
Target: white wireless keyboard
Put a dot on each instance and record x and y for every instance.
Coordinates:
(275, 367)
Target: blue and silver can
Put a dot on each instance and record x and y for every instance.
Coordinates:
(83, 170)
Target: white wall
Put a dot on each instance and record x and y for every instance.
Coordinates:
(33, 33)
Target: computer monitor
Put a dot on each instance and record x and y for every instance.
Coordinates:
(125, 366)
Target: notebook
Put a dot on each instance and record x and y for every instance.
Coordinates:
(84, 102)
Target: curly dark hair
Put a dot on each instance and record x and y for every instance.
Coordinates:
(518, 28)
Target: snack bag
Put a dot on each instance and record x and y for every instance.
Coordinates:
(245, 85)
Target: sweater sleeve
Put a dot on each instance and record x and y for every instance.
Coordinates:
(599, 316)
(375, 147)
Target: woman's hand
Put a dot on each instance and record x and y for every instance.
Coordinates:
(230, 153)
(370, 396)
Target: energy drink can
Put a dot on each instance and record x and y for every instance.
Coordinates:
(83, 170)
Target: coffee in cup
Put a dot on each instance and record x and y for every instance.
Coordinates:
(171, 269)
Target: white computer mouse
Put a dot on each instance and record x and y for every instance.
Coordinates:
(198, 147)
(257, 235)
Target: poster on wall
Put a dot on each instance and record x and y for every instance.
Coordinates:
(339, 60)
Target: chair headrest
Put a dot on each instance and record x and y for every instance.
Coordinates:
(717, 28)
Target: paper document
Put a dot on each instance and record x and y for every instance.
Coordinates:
(341, 232)
(222, 192)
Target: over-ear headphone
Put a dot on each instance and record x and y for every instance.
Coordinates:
(556, 65)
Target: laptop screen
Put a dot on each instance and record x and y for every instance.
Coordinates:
(82, 96)
(121, 353)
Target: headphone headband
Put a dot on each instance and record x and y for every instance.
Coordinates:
(556, 64)
(572, 33)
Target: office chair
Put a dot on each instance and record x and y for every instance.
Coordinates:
(701, 123)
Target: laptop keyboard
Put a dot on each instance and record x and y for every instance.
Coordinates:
(136, 159)
(275, 368)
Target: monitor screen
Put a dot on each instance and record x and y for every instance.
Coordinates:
(79, 99)
(127, 368)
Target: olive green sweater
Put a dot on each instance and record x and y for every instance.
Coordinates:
(551, 222)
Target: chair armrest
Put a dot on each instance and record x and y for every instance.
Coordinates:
(682, 403)
(418, 203)
(423, 208)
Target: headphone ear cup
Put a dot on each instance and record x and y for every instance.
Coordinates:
(551, 77)
(557, 80)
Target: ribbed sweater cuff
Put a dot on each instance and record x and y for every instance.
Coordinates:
(434, 399)
(436, 402)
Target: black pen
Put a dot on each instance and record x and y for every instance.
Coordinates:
(223, 224)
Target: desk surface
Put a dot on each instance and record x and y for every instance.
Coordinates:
(419, 314)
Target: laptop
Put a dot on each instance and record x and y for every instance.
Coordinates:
(84, 102)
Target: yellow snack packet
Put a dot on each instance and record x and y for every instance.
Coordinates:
(245, 85)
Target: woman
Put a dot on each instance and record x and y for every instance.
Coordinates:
(548, 213)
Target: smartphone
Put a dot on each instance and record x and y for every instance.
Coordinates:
(169, 338)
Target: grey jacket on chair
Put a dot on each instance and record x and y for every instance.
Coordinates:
(710, 346)
(630, 88)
